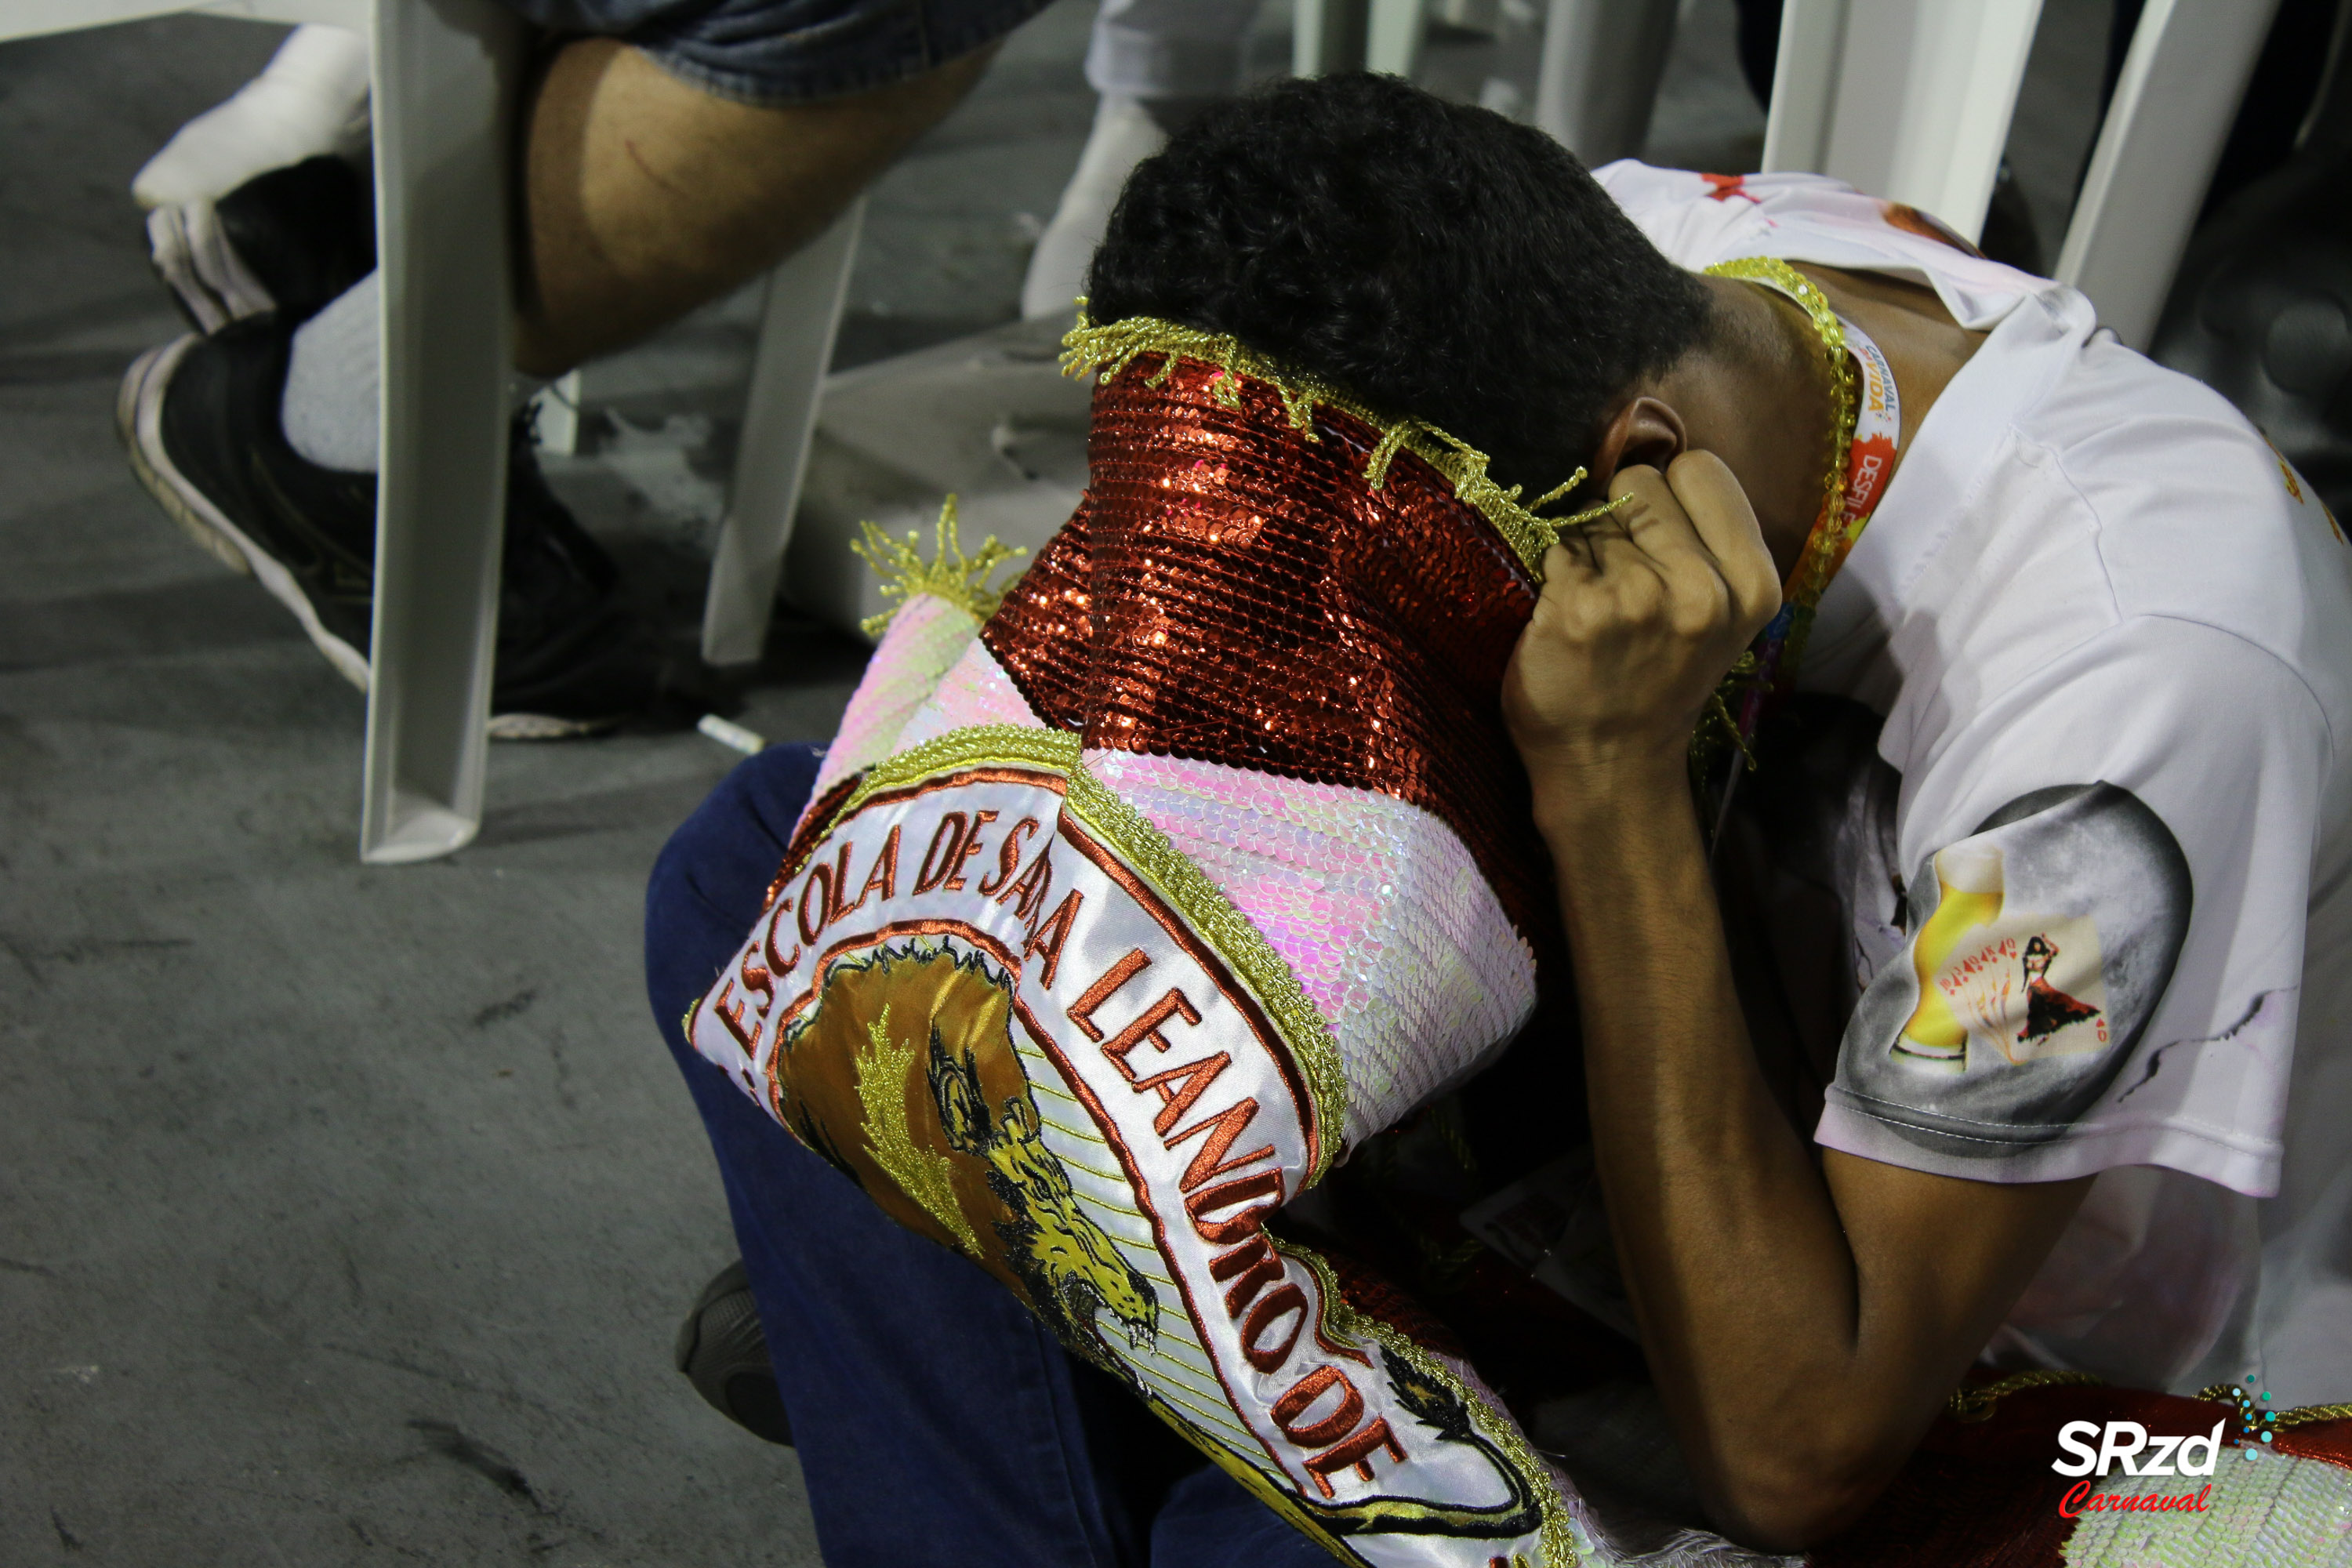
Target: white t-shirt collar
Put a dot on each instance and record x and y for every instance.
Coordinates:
(1945, 459)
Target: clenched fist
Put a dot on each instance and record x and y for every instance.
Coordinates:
(1642, 615)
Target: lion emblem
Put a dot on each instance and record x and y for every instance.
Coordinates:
(904, 1077)
(1070, 1266)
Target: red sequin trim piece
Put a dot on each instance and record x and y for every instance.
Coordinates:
(1233, 590)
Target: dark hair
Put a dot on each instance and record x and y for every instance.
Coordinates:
(1436, 261)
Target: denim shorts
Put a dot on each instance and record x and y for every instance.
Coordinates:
(789, 51)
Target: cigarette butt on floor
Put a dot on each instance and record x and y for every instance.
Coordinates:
(728, 733)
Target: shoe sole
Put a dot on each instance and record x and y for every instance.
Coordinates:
(139, 420)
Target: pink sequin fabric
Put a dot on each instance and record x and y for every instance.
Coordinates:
(975, 690)
(924, 641)
(1373, 902)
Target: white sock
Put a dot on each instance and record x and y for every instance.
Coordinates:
(333, 383)
(1125, 134)
(311, 98)
(328, 409)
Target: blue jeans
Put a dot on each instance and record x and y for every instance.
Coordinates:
(936, 1422)
(789, 51)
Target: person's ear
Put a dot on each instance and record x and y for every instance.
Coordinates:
(1644, 432)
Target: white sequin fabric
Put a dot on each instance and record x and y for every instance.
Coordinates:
(2271, 1512)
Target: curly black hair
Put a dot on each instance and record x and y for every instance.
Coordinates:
(1436, 261)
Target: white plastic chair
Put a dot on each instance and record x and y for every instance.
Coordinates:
(1596, 82)
(1598, 78)
(1907, 99)
(1331, 36)
(798, 321)
(1327, 37)
(2183, 80)
(1912, 98)
(443, 80)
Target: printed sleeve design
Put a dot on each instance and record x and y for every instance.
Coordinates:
(2039, 947)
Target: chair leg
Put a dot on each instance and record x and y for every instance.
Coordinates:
(1393, 42)
(555, 415)
(1909, 99)
(2188, 68)
(797, 323)
(1804, 86)
(1597, 82)
(1328, 36)
(445, 78)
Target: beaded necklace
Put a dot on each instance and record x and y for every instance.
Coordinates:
(1862, 439)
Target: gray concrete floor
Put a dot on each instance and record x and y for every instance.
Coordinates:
(346, 1214)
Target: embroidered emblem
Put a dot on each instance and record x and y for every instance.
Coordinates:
(1044, 1038)
(1072, 1270)
(923, 1174)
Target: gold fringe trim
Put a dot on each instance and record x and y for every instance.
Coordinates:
(2301, 1415)
(1171, 872)
(1110, 349)
(950, 574)
(1976, 1403)
(2311, 1415)
(1717, 725)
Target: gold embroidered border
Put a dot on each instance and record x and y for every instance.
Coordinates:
(1557, 1536)
(1111, 348)
(1169, 870)
(1976, 1403)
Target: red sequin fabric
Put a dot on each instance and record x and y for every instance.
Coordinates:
(1233, 590)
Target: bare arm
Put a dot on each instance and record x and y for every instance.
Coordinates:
(1804, 1323)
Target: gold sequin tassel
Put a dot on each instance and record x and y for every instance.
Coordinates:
(962, 581)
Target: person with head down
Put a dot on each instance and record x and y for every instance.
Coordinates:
(1703, 681)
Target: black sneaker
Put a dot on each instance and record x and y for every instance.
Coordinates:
(724, 1353)
(200, 420)
(287, 241)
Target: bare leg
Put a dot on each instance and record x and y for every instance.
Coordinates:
(646, 197)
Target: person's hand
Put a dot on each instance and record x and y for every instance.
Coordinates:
(1642, 615)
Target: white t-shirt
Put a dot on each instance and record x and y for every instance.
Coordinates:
(2100, 906)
